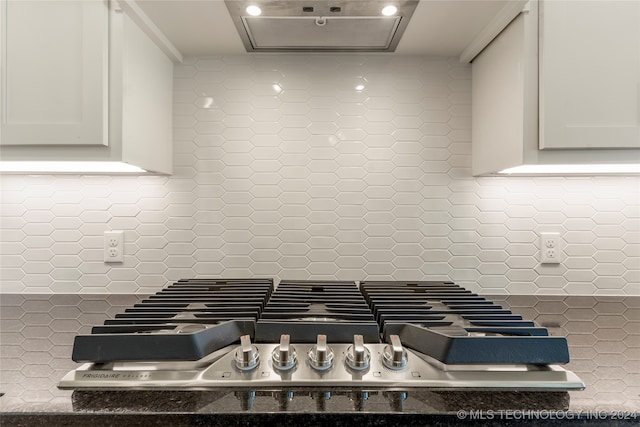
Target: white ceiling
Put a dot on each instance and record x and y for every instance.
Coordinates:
(437, 28)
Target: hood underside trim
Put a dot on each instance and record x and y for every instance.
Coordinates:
(320, 26)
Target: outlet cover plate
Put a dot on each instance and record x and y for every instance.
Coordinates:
(113, 246)
(550, 248)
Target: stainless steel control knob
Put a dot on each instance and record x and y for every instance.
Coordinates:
(320, 355)
(394, 356)
(358, 356)
(247, 356)
(284, 355)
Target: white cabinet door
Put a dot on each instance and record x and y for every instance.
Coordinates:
(55, 72)
(590, 74)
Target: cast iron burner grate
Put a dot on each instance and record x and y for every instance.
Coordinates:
(306, 309)
(192, 318)
(456, 327)
(185, 321)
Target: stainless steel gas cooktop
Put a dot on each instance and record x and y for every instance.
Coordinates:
(244, 333)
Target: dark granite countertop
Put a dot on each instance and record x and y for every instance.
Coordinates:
(36, 337)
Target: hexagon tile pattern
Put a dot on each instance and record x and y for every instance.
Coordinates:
(326, 167)
(603, 334)
(36, 339)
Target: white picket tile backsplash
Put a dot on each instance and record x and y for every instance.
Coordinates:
(325, 167)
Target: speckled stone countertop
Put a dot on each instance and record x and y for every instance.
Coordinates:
(36, 337)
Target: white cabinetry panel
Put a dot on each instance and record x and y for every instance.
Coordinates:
(147, 101)
(590, 74)
(55, 72)
(498, 109)
(128, 106)
(515, 108)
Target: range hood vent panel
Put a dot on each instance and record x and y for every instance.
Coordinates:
(336, 26)
(338, 33)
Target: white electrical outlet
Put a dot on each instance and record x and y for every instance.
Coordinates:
(113, 246)
(550, 248)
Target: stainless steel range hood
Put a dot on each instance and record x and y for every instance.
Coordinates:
(320, 26)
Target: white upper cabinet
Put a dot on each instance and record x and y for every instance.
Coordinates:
(560, 85)
(85, 80)
(55, 73)
(590, 74)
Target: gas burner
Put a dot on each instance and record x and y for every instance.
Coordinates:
(306, 309)
(431, 318)
(185, 321)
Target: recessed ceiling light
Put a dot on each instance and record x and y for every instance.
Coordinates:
(253, 10)
(389, 10)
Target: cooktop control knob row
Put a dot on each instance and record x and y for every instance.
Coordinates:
(247, 355)
(358, 356)
(394, 356)
(284, 355)
(320, 355)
